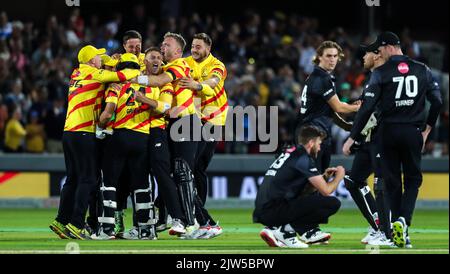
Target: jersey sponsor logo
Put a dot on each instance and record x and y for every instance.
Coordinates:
(369, 94)
(313, 169)
(403, 68)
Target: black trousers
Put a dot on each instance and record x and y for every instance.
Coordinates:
(205, 153)
(366, 162)
(126, 152)
(185, 145)
(302, 213)
(159, 155)
(401, 146)
(80, 156)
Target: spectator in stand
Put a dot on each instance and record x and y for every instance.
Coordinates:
(14, 132)
(35, 138)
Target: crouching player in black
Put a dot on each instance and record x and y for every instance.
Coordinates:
(282, 204)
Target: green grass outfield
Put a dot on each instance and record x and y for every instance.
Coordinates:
(26, 231)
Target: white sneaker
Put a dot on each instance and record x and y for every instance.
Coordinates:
(371, 234)
(399, 232)
(315, 236)
(132, 234)
(199, 233)
(177, 228)
(289, 239)
(213, 231)
(267, 235)
(101, 235)
(381, 240)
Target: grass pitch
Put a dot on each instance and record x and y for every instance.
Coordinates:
(26, 231)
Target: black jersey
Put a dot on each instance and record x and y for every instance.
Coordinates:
(319, 88)
(287, 176)
(399, 89)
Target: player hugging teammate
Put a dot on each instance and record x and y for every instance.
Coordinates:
(117, 136)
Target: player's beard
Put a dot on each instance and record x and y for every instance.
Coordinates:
(200, 56)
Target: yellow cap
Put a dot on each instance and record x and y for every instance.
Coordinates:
(108, 61)
(88, 52)
(129, 57)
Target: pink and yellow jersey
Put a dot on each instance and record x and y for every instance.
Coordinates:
(86, 92)
(183, 98)
(129, 113)
(214, 106)
(157, 119)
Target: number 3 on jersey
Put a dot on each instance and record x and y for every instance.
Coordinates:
(277, 164)
(411, 86)
(303, 100)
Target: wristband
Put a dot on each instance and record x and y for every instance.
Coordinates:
(143, 80)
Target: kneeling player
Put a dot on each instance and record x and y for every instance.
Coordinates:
(280, 205)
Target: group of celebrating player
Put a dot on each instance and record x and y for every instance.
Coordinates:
(131, 123)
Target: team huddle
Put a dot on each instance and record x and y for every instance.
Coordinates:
(117, 140)
(122, 137)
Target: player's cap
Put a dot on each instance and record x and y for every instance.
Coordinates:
(88, 52)
(384, 39)
(108, 60)
(129, 57)
(128, 60)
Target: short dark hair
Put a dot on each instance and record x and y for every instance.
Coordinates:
(150, 49)
(328, 45)
(180, 40)
(308, 133)
(205, 37)
(131, 34)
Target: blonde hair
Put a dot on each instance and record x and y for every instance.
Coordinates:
(328, 45)
(180, 40)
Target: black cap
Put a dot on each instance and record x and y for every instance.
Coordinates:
(384, 39)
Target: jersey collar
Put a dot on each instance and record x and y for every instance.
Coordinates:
(207, 60)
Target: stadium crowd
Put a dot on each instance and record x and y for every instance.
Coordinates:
(267, 58)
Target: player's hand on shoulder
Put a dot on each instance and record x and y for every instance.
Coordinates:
(188, 83)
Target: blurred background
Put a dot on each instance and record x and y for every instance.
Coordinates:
(267, 48)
